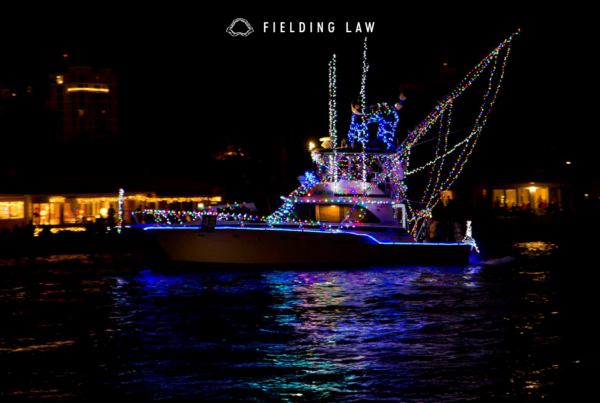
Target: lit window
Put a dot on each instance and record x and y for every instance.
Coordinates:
(59, 79)
(87, 89)
(12, 210)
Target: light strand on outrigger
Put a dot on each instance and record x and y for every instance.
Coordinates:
(417, 217)
(437, 149)
(433, 116)
(476, 131)
(435, 138)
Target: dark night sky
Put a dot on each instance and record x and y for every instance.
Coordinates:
(187, 87)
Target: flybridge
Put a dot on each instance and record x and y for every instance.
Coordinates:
(316, 27)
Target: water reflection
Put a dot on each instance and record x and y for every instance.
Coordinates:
(315, 335)
(410, 333)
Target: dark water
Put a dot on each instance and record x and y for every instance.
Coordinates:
(412, 334)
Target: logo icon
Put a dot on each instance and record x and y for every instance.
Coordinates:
(249, 28)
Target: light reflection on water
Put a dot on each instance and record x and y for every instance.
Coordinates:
(409, 333)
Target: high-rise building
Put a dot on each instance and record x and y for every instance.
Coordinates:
(85, 101)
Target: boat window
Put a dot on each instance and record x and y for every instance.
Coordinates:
(337, 213)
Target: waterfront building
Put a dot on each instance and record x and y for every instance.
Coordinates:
(62, 206)
(85, 100)
(522, 194)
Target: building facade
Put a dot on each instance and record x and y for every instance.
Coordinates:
(82, 209)
(537, 196)
(85, 100)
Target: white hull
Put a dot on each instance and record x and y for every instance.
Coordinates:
(268, 246)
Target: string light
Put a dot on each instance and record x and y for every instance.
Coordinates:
(142, 198)
(363, 84)
(382, 114)
(333, 116)
(364, 129)
(417, 216)
(120, 215)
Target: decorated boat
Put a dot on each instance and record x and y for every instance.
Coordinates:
(354, 207)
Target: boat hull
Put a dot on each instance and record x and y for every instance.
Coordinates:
(267, 246)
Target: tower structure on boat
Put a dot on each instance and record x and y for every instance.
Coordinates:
(358, 181)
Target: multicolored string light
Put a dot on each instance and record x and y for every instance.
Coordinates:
(418, 216)
(333, 116)
(120, 213)
(382, 114)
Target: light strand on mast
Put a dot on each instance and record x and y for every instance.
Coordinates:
(332, 119)
(363, 110)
